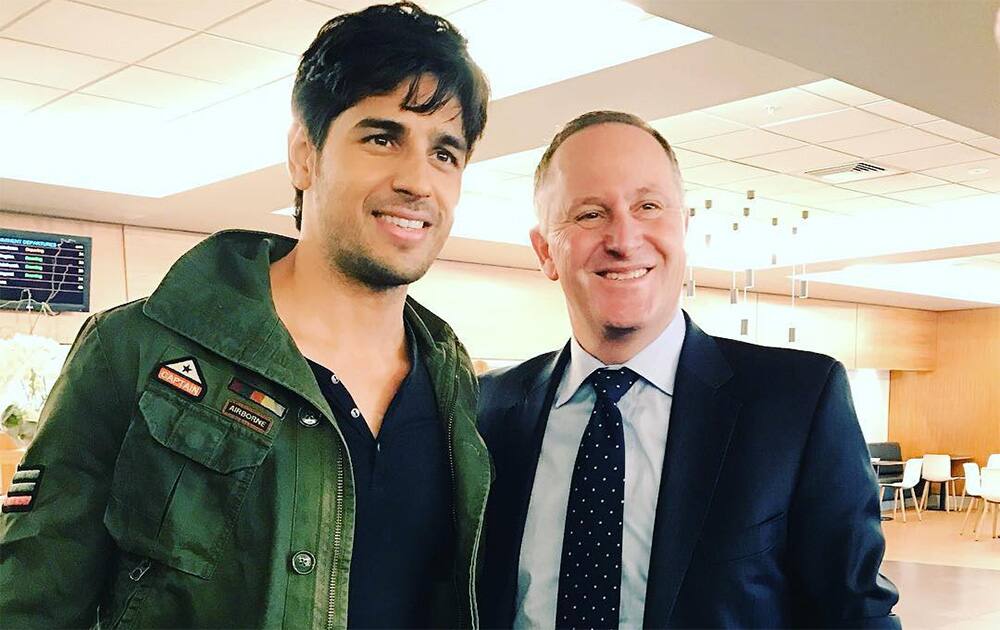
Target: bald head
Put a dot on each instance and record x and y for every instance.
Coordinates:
(578, 124)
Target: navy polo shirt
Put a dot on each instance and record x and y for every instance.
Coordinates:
(404, 532)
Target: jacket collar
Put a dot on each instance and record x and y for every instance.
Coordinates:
(219, 295)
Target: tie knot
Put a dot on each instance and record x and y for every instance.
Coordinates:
(612, 384)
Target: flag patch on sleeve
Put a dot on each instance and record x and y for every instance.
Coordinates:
(23, 489)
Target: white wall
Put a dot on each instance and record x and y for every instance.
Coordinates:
(870, 390)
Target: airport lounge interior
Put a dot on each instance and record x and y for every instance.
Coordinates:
(840, 164)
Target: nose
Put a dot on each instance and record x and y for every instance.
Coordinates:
(413, 175)
(623, 233)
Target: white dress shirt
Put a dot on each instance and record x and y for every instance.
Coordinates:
(645, 410)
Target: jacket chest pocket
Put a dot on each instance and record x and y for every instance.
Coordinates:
(179, 483)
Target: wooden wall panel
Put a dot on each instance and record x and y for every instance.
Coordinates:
(956, 407)
(896, 338)
(107, 286)
(149, 253)
(820, 326)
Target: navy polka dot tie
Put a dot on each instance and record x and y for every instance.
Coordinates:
(590, 574)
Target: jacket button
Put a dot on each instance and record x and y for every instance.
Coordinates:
(303, 562)
(307, 418)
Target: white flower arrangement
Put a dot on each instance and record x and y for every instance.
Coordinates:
(29, 366)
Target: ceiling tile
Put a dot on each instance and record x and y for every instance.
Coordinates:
(224, 61)
(194, 14)
(944, 155)
(20, 98)
(949, 129)
(800, 160)
(722, 173)
(58, 24)
(886, 142)
(47, 66)
(288, 25)
(819, 196)
(85, 109)
(156, 89)
(11, 9)
(774, 185)
(693, 126)
(989, 143)
(990, 185)
(893, 183)
(935, 194)
(968, 171)
(690, 159)
(861, 205)
(842, 92)
(898, 111)
(438, 7)
(742, 144)
(775, 107)
(834, 126)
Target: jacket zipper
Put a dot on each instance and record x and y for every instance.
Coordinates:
(338, 526)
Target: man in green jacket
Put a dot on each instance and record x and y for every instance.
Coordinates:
(278, 436)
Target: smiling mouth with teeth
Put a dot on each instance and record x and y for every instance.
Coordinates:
(407, 224)
(628, 275)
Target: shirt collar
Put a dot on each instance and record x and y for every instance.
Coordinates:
(656, 363)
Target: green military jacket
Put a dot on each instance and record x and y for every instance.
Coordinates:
(222, 498)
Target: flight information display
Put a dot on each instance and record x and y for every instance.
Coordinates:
(49, 269)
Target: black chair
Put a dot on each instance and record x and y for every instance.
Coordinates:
(888, 451)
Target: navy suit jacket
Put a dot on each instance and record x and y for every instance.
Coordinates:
(768, 512)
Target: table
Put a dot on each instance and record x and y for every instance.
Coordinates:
(876, 462)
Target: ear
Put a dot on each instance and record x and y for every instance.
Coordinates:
(541, 247)
(301, 154)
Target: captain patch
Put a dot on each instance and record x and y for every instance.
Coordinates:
(247, 417)
(183, 375)
(23, 490)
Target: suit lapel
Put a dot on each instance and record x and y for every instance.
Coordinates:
(528, 417)
(702, 418)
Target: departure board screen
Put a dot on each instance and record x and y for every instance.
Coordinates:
(49, 269)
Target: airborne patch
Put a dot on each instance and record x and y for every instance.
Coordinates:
(183, 375)
(247, 417)
(23, 490)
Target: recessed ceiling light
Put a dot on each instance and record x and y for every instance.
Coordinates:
(978, 171)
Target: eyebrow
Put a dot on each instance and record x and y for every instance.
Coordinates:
(390, 126)
(398, 129)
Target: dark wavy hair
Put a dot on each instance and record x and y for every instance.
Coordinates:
(374, 51)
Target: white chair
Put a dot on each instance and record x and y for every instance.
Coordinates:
(973, 490)
(937, 469)
(991, 498)
(993, 461)
(911, 477)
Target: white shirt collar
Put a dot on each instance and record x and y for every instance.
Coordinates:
(656, 363)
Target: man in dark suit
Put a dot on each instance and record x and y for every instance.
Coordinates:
(650, 474)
